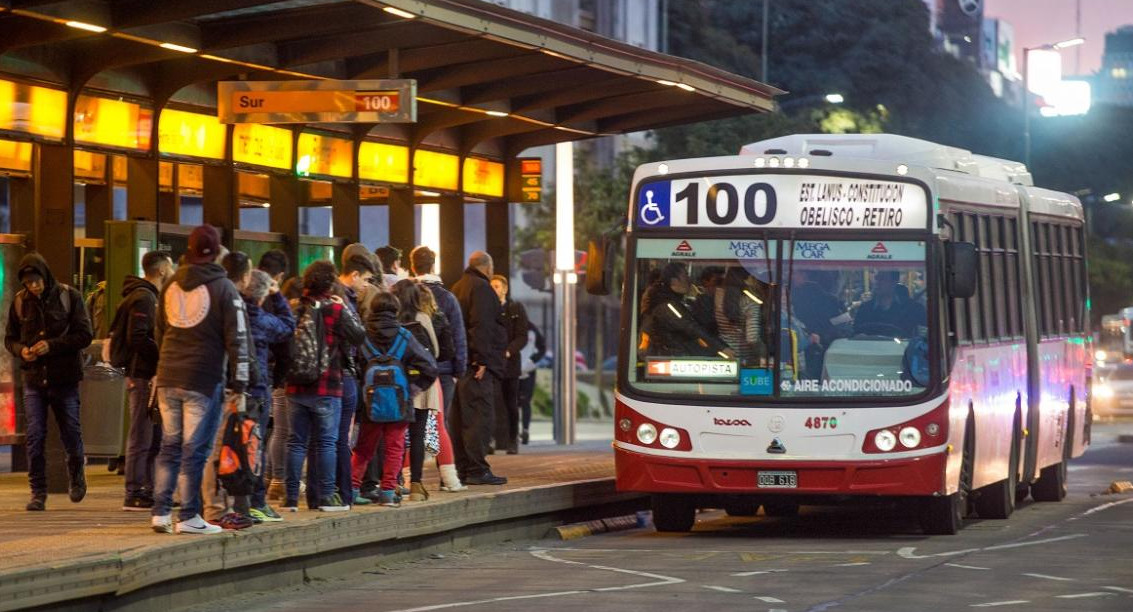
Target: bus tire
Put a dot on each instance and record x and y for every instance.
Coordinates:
(741, 507)
(1051, 485)
(781, 509)
(997, 501)
(673, 513)
(945, 515)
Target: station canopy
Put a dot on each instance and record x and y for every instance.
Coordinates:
(490, 80)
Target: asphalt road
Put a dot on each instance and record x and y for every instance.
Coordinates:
(1074, 555)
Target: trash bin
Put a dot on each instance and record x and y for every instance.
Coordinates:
(102, 394)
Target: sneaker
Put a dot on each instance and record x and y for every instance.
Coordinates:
(265, 514)
(162, 523)
(137, 503)
(417, 492)
(333, 503)
(389, 499)
(198, 526)
(360, 500)
(513, 449)
(374, 495)
(291, 505)
(38, 503)
(402, 491)
(234, 521)
(78, 489)
(486, 478)
(276, 491)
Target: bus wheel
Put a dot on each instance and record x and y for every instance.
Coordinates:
(741, 507)
(945, 515)
(673, 513)
(997, 501)
(1051, 485)
(782, 509)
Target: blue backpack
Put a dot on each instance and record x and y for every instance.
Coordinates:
(385, 385)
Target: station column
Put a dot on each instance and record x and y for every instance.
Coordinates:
(452, 238)
(401, 216)
(287, 195)
(498, 229)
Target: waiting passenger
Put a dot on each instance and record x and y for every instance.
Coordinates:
(889, 311)
(668, 326)
(739, 314)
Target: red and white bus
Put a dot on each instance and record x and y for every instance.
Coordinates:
(828, 317)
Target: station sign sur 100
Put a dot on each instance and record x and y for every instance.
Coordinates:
(790, 201)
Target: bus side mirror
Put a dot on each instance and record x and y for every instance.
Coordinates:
(961, 269)
(598, 263)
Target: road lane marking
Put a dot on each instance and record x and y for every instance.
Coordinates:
(722, 589)
(1118, 589)
(971, 567)
(994, 604)
(745, 574)
(909, 552)
(852, 564)
(1081, 595)
(1097, 509)
(546, 556)
(1046, 577)
(766, 599)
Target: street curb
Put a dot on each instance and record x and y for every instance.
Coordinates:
(166, 576)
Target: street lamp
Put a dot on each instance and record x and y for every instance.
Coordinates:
(1112, 197)
(1058, 46)
(835, 98)
(830, 98)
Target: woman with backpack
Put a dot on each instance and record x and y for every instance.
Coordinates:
(398, 367)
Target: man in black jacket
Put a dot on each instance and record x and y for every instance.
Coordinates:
(478, 388)
(134, 321)
(47, 330)
(201, 327)
(507, 404)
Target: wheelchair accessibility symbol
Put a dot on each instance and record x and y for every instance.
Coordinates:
(653, 205)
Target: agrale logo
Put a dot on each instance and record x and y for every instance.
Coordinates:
(731, 422)
(684, 249)
(879, 252)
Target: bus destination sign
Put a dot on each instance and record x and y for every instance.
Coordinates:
(786, 201)
(369, 101)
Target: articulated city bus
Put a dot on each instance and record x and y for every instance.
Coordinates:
(828, 317)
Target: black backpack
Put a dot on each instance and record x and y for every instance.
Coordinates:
(117, 351)
(239, 467)
(309, 355)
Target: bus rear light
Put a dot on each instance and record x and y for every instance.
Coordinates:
(928, 430)
(634, 428)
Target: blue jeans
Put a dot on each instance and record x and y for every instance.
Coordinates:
(313, 417)
(63, 400)
(189, 422)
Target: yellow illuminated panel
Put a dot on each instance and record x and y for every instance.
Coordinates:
(262, 145)
(483, 177)
(15, 155)
(112, 123)
(190, 134)
(90, 167)
(190, 178)
(33, 110)
(319, 191)
(439, 170)
(165, 175)
(383, 162)
(254, 186)
(324, 155)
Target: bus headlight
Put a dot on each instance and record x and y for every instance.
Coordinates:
(1103, 391)
(910, 437)
(884, 440)
(1100, 355)
(646, 433)
(670, 438)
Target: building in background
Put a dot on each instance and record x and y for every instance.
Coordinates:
(1114, 82)
(961, 30)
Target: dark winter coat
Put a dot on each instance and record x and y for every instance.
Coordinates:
(200, 322)
(450, 306)
(421, 368)
(267, 329)
(139, 306)
(515, 321)
(670, 327)
(483, 321)
(279, 358)
(66, 330)
(446, 347)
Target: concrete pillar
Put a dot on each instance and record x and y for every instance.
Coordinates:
(452, 238)
(141, 188)
(287, 195)
(497, 226)
(346, 205)
(220, 204)
(402, 228)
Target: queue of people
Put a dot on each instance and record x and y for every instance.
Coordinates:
(413, 368)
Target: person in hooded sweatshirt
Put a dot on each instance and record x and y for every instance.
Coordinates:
(201, 329)
(139, 307)
(382, 328)
(668, 326)
(47, 329)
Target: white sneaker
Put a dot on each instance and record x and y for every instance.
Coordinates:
(198, 525)
(163, 523)
(449, 479)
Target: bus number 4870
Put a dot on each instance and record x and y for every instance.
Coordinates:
(822, 423)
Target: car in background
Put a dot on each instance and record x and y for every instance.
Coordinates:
(1113, 391)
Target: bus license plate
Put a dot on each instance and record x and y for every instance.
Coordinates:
(778, 480)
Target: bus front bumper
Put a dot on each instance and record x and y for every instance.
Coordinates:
(889, 477)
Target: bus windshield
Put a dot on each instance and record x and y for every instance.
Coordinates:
(738, 318)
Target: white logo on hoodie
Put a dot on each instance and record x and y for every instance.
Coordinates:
(185, 309)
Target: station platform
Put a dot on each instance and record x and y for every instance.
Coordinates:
(93, 555)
